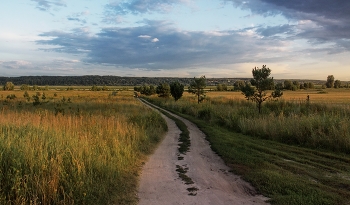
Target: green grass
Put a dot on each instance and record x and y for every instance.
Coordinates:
(288, 174)
(300, 123)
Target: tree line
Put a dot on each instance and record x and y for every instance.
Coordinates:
(90, 80)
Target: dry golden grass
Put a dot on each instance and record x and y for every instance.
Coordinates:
(89, 153)
(328, 96)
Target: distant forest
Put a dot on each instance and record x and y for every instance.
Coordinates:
(90, 80)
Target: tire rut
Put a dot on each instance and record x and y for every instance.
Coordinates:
(208, 179)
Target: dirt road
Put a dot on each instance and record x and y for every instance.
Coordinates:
(160, 183)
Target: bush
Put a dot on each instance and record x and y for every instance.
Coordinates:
(205, 113)
(11, 97)
(9, 86)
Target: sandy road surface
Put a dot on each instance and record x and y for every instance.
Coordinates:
(160, 183)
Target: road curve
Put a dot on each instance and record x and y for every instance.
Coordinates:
(160, 183)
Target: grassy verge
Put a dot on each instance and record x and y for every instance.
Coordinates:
(287, 174)
(304, 124)
(90, 152)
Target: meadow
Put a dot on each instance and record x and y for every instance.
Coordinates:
(74, 147)
(295, 152)
(320, 122)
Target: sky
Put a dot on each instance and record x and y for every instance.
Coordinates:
(296, 39)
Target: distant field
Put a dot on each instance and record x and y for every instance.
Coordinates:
(79, 87)
(337, 96)
(329, 95)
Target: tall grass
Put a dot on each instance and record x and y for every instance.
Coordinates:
(289, 173)
(314, 125)
(88, 154)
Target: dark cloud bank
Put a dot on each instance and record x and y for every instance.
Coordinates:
(156, 45)
(331, 19)
(159, 45)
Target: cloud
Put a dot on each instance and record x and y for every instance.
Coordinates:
(54, 67)
(159, 45)
(15, 64)
(330, 20)
(76, 19)
(79, 17)
(147, 37)
(142, 6)
(155, 40)
(298, 9)
(272, 31)
(45, 5)
(144, 36)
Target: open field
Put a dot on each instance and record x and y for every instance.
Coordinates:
(328, 96)
(295, 152)
(86, 147)
(78, 88)
(74, 147)
(318, 123)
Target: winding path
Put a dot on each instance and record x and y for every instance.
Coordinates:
(160, 183)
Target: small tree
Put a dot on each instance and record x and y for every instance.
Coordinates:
(152, 90)
(296, 85)
(238, 85)
(311, 85)
(197, 87)
(279, 86)
(144, 89)
(9, 86)
(221, 87)
(306, 85)
(36, 99)
(330, 81)
(262, 82)
(26, 95)
(11, 97)
(95, 88)
(35, 87)
(137, 89)
(43, 97)
(24, 87)
(288, 85)
(176, 90)
(163, 90)
(337, 84)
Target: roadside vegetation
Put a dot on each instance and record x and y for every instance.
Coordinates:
(296, 151)
(73, 147)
